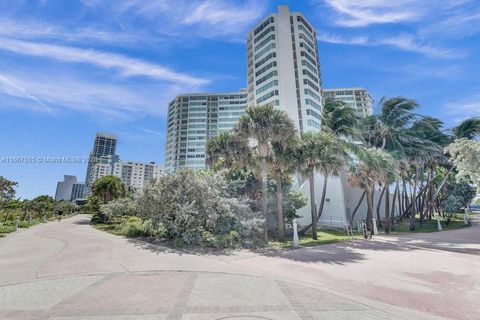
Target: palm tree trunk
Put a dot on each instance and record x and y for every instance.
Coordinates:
(280, 223)
(358, 206)
(387, 211)
(396, 195)
(440, 187)
(413, 207)
(264, 198)
(369, 210)
(379, 203)
(324, 193)
(313, 208)
(429, 207)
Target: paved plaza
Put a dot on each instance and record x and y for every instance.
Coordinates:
(68, 270)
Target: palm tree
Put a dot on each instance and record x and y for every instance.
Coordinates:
(332, 158)
(108, 188)
(309, 152)
(373, 166)
(339, 118)
(282, 163)
(265, 125)
(226, 150)
(469, 128)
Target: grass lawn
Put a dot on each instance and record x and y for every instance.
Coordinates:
(325, 236)
(110, 228)
(9, 226)
(429, 225)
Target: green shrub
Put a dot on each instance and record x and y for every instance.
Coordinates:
(196, 208)
(221, 241)
(135, 227)
(23, 224)
(97, 218)
(7, 229)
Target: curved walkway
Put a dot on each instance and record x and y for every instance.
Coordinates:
(68, 270)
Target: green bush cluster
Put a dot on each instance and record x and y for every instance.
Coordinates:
(6, 229)
(188, 207)
(133, 227)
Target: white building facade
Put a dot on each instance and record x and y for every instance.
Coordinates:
(103, 151)
(64, 188)
(283, 70)
(78, 191)
(136, 174)
(283, 67)
(356, 98)
(195, 118)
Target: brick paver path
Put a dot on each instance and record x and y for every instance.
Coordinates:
(70, 271)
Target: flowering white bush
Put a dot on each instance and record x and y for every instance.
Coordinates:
(195, 206)
(120, 207)
(465, 155)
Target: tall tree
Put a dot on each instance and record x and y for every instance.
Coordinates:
(339, 118)
(282, 163)
(309, 161)
(7, 190)
(332, 159)
(468, 129)
(265, 125)
(108, 188)
(226, 150)
(373, 165)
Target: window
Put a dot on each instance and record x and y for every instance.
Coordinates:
(264, 42)
(266, 77)
(314, 114)
(264, 50)
(266, 68)
(265, 59)
(267, 86)
(263, 25)
(314, 104)
(263, 34)
(267, 96)
(314, 124)
(311, 93)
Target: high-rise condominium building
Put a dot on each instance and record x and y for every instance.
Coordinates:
(132, 173)
(193, 119)
(356, 98)
(136, 174)
(64, 188)
(78, 191)
(284, 69)
(104, 148)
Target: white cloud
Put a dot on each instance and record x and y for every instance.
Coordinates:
(127, 66)
(11, 88)
(222, 17)
(457, 24)
(360, 13)
(462, 109)
(406, 42)
(62, 93)
(31, 29)
(337, 39)
(183, 18)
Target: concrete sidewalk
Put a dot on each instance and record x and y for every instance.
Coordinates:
(68, 270)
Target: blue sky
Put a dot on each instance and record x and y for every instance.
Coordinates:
(71, 68)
